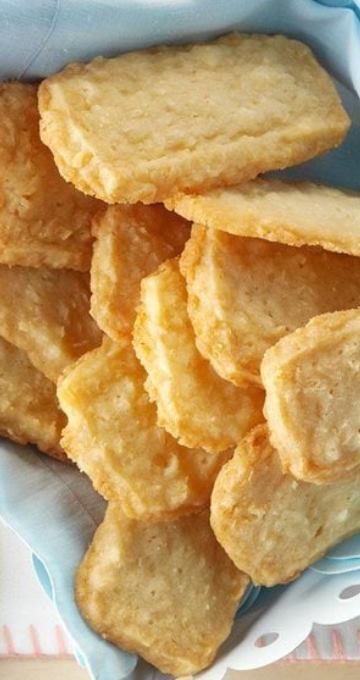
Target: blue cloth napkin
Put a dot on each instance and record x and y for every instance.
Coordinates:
(39, 37)
(52, 507)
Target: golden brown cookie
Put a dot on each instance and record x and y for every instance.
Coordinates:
(312, 381)
(193, 403)
(45, 312)
(295, 213)
(244, 294)
(43, 220)
(146, 125)
(271, 525)
(131, 242)
(167, 591)
(112, 435)
(29, 410)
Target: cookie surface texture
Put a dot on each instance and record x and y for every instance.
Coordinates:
(29, 410)
(43, 220)
(312, 381)
(113, 436)
(45, 312)
(294, 213)
(131, 242)
(244, 294)
(271, 525)
(200, 116)
(193, 403)
(166, 591)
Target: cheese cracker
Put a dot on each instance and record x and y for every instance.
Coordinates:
(271, 525)
(45, 312)
(193, 403)
(43, 220)
(112, 435)
(146, 125)
(312, 382)
(131, 242)
(166, 591)
(29, 410)
(244, 294)
(295, 213)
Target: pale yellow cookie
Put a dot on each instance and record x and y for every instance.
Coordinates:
(244, 294)
(193, 403)
(45, 312)
(165, 591)
(312, 381)
(146, 125)
(271, 525)
(112, 435)
(43, 220)
(295, 213)
(29, 411)
(131, 242)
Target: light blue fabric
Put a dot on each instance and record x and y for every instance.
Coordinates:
(349, 549)
(51, 506)
(56, 511)
(330, 566)
(40, 36)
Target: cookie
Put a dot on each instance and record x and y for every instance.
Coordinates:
(43, 220)
(271, 525)
(131, 242)
(146, 125)
(312, 382)
(194, 404)
(244, 294)
(113, 436)
(45, 312)
(29, 410)
(295, 213)
(166, 591)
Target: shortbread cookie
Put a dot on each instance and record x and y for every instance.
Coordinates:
(43, 220)
(244, 294)
(295, 213)
(131, 242)
(271, 525)
(312, 381)
(146, 125)
(29, 410)
(112, 435)
(193, 403)
(45, 312)
(166, 591)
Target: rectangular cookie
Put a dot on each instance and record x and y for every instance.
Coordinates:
(294, 213)
(146, 125)
(43, 220)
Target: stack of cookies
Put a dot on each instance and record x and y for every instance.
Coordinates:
(209, 386)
